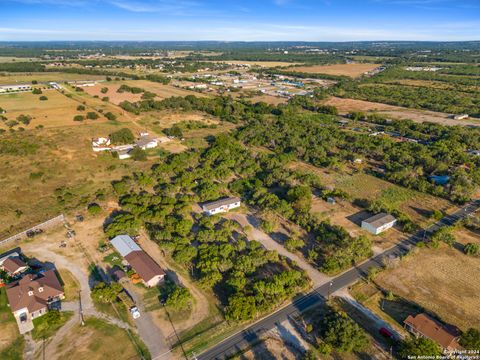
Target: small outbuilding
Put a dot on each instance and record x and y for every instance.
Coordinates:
(378, 223)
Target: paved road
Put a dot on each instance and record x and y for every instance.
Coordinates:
(240, 340)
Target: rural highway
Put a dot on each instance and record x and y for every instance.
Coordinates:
(240, 340)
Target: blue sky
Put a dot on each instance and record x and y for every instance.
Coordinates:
(248, 20)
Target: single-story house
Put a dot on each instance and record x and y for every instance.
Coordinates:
(378, 223)
(9, 88)
(148, 270)
(14, 265)
(460, 117)
(31, 296)
(221, 205)
(424, 325)
(124, 154)
(146, 142)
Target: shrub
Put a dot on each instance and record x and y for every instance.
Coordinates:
(472, 249)
(104, 90)
(92, 115)
(37, 91)
(110, 116)
(293, 244)
(94, 209)
(80, 108)
(179, 299)
(138, 154)
(43, 98)
(78, 118)
(421, 346)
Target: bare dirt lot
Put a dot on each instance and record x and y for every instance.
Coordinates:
(352, 70)
(20, 78)
(345, 106)
(443, 281)
(258, 63)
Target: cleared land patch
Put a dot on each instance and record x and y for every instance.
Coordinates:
(347, 105)
(352, 70)
(443, 281)
(9, 79)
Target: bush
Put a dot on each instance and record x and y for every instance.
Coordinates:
(416, 347)
(43, 98)
(293, 244)
(106, 293)
(92, 115)
(445, 234)
(80, 108)
(106, 99)
(470, 340)
(78, 118)
(110, 116)
(37, 91)
(343, 333)
(472, 249)
(94, 209)
(138, 154)
(104, 90)
(174, 131)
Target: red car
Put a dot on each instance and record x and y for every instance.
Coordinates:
(385, 333)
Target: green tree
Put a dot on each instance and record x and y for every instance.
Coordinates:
(122, 137)
(241, 308)
(179, 299)
(106, 293)
(174, 131)
(123, 223)
(110, 116)
(344, 334)
(80, 108)
(104, 90)
(78, 118)
(294, 243)
(91, 115)
(43, 98)
(419, 347)
(37, 91)
(471, 339)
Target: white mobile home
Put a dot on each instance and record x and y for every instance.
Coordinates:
(221, 206)
(378, 223)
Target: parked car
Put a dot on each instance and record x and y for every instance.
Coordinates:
(135, 313)
(385, 333)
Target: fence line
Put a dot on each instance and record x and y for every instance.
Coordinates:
(54, 221)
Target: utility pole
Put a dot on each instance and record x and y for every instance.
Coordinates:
(175, 331)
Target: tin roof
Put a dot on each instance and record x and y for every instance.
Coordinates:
(124, 244)
(221, 202)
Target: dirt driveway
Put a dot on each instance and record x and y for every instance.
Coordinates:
(244, 220)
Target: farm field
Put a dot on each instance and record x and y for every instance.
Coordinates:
(345, 106)
(352, 70)
(449, 289)
(8, 79)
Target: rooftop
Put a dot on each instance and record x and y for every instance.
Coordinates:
(222, 202)
(124, 244)
(380, 220)
(13, 263)
(434, 330)
(34, 291)
(144, 265)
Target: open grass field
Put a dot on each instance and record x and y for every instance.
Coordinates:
(114, 96)
(51, 159)
(57, 111)
(9, 79)
(444, 281)
(345, 106)
(96, 340)
(9, 59)
(70, 284)
(352, 70)
(274, 100)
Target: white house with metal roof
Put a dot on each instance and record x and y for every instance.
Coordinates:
(124, 245)
(378, 223)
(221, 205)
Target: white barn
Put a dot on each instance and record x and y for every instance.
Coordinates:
(378, 223)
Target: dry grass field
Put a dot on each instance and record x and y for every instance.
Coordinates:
(345, 106)
(95, 341)
(274, 100)
(57, 111)
(63, 159)
(352, 70)
(363, 186)
(266, 64)
(114, 96)
(444, 281)
(8, 79)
